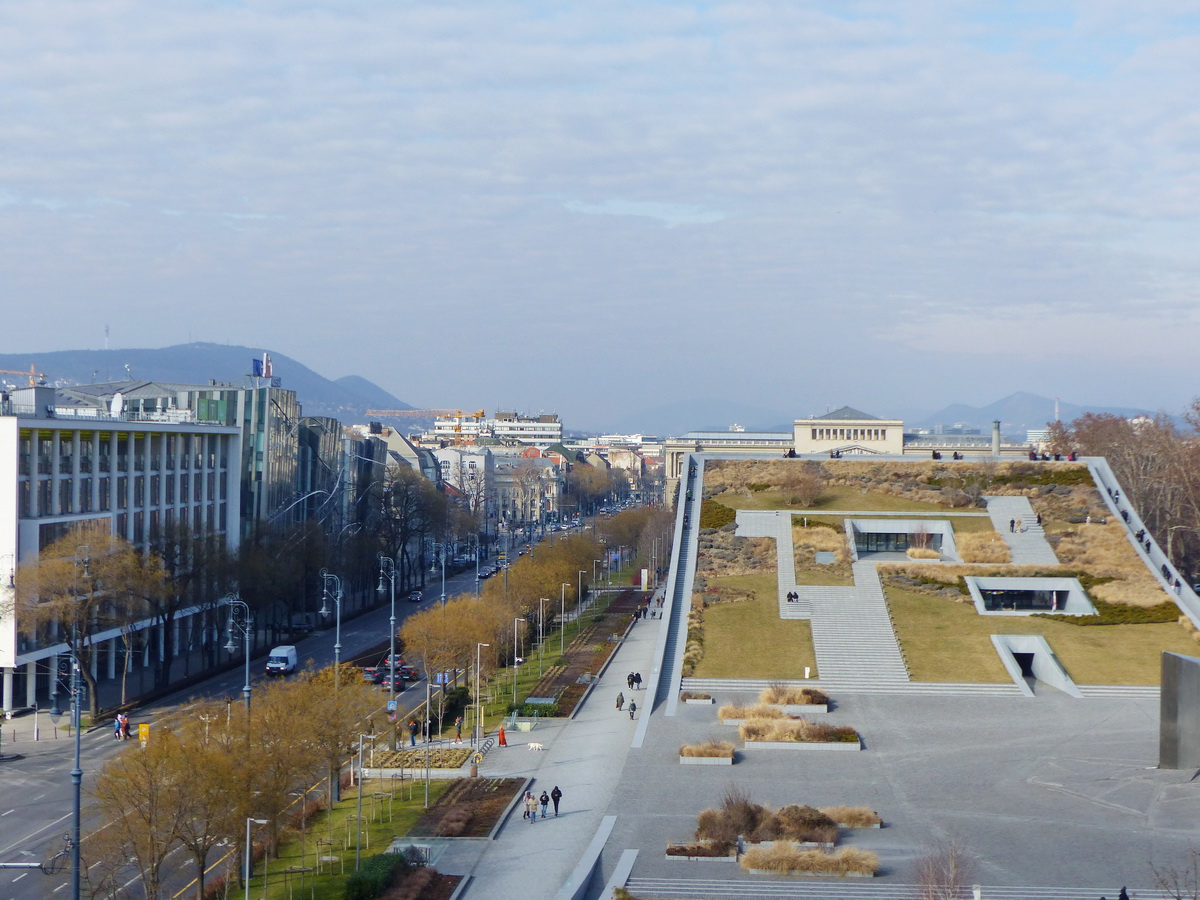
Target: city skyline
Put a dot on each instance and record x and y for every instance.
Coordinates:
(844, 202)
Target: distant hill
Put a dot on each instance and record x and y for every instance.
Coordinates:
(347, 398)
(1018, 413)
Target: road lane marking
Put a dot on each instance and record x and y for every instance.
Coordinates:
(19, 877)
(2, 815)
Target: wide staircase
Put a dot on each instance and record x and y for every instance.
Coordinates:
(853, 638)
(1027, 546)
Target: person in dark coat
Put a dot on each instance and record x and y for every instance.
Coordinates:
(632, 708)
(545, 801)
(555, 796)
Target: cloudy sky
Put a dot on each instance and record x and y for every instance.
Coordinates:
(598, 207)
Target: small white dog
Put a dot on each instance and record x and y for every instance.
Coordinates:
(534, 745)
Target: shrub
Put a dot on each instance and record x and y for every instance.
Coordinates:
(803, 823)
(375, 875)
(695, 695)
(787, 857)
(713, 748)
(1116, 614)
(715, 515)
(853, 816)
(795, 730)
(778, 692)
(412, 886)
(922, 553)
(737, 815)
(542, 710)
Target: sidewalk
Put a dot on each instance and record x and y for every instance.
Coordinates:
(584, 756)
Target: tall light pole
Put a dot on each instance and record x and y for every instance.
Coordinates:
(516, 623)
(249, 851)
(387, 569)
(562, 625)
(82, 557)
(246, 626)
(326, 577)
(579, 599)
(478, 696)
(595, 562)
(541, 632)
(441, 552)
(358, 841)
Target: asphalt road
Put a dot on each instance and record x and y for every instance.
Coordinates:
(36, 801)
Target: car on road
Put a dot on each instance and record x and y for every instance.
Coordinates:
(415, 597)
(385, 682)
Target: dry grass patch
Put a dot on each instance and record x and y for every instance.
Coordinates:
(791, 694)
(758, 711)
(695, 695)
(853, 816)
(922, 553)
(739, 815)
(795, 730)
(782, 648)
(1105, 551)
(786, 858)
(705, 849)
(713, 748)
(982, 547)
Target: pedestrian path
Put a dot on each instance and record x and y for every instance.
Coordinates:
(1028, 545)
(585, 757)
(853, 639)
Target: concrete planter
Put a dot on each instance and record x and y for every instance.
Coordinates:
(692, 701)
(804, 745)
(810, 874)
(764, 844)
(706, 760)
(800, 709)
(728, 859)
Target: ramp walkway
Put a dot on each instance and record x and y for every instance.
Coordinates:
(1028, 546)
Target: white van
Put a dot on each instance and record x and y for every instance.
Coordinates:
(282, 660)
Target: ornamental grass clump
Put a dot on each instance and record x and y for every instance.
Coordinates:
(853, 816)
(701, 848)
(713, 748)
(695, 695)
(786, 857)
(982, 547)
(758, 711)
(790, 694)
(795, 730)
(922, 553)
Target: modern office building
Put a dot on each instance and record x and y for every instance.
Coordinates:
(132, 469)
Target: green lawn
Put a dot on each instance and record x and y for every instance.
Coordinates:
(735, 635)
(946, 641)
(332, 826)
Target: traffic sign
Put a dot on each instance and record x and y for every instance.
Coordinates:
(391, 706)
(144, 732)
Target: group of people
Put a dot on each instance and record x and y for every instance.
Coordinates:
(532, 803)
(121, 726)
(621, 703)
(1057, 457)
(793, 597)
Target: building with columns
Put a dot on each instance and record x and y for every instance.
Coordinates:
(134, 471)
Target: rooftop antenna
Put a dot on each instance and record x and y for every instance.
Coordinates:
(1056, 418)
(105, 337)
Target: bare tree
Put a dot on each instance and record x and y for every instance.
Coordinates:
(1179, 880)
(945, 870)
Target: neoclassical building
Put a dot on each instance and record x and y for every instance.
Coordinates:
(848, 431)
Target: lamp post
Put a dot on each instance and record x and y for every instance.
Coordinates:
(246, 626)
(562, 625)
(441, 552)
(595, 562)
(478, 696)
(82, 557)
(387, 569)
(326, 577)
(516, 623)
(358, 822)
(541, 632)
(249, 851)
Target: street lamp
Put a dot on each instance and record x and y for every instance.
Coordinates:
(541, 632)
(358, 821)
(249, 851)
(516, 623)
(478, 696)
(82, 557)
(326, 577)
(595, 562)
(246, 626)
(387, 568)
(441, 552)
(562, 625)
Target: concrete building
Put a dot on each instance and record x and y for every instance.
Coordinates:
(134, 470)
(848, 431)
(504, 428)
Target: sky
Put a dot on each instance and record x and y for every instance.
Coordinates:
(601, 207)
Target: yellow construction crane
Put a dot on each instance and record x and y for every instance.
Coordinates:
(34, 376)
(457, 414)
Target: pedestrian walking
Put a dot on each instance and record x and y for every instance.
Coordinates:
(117, 727)
(125, 716)
(620, 699)
(1020, 527)
(556, 795)
(629, 680)
(544, 800)
(531, 804)
(500, 738)
(1012, 525)
(525, 806)
(458, 730)
(412, 732)
(1039, 520)
(637, 681)
(632, 709)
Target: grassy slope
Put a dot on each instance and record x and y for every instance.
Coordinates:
(834, 498)
(947, 641)
(733, 630)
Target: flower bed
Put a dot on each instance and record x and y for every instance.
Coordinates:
(414, 758)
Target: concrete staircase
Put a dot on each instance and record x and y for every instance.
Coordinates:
(908, 688)
(752, 888)
(1029, 546)
(853, 638)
